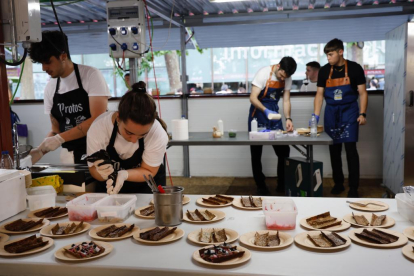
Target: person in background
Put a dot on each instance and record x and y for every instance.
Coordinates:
(127, 80)
(73, 98)
(135, 138)
(342, 82)
(268, 85)
(312, 70)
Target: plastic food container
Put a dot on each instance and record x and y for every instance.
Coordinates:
(116, 208)
(280, 214)
(41, 197)
(83, 208)
(232, 133)
(404, 207)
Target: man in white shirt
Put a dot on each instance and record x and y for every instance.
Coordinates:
(268, 86)
(73, 98)
(312, 70)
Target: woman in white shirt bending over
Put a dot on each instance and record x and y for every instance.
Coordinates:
(136, 140)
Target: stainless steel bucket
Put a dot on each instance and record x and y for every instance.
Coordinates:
(169, 206)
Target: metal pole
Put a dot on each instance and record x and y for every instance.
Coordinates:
(310, 150)
(133, 70)
(184, 99)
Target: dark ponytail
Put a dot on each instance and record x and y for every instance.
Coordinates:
(138, 106)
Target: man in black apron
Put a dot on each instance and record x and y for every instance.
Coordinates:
(70, 105)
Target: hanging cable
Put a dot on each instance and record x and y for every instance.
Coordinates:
(2, 60)
(150, 34)
(18, 84)
(57, 19)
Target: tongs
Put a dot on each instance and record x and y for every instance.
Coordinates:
(153, 186)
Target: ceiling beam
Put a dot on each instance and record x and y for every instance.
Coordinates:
(164, 15)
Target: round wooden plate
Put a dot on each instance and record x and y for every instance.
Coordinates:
(246, 256)
(237, 203)
(338, 228)
(387, 223)
(219, 216)
(370, 208)
(200, 202)
(248, 240)
(178, 234)
(230, 234)
(4, 253)
(138, 214)
(47, 230)
(303, 240)
(32, 215)
(62, 255)
(37, 228)
(402, 240)
(93, 232)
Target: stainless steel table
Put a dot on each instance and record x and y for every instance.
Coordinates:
(130, 257)
(242, 138)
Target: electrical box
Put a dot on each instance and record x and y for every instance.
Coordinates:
(126, 28)
(27, 20)
(297, 177)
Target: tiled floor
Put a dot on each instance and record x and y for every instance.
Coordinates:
(245, 186)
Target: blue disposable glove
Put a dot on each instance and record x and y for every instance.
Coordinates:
(267, 112)
(265, 130)
(317, 119)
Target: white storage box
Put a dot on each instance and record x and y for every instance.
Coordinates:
(41, 197)
(405, 208)
(280, 213)
(116, 208)
(83, 208)
(13, 195)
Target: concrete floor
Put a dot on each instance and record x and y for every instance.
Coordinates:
(246, 186)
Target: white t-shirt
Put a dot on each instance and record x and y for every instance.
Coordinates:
(311, 87)
(99, 135)
(262, 76)
(92, 81)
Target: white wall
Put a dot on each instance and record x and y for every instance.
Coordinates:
(232, 160)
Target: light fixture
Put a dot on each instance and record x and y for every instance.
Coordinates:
(82, 21)
(359, 3)
(343, 4)
(191, 14)
(327, 4)
(249, 10)
(223, 1)
(311, 5)
(205, 12)
(267, 9)
(279, 5)
(295, 5)
(235, 11)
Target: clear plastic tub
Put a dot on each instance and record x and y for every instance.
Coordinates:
(280, 213)
(404, 207)
(83, 208)
(116, 208)
(41, 197)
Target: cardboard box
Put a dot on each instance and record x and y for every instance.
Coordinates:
(297, 181)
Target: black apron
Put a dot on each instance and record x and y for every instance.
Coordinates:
(71, 109)
(133, 162)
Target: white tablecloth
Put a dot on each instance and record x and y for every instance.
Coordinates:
(130, 257)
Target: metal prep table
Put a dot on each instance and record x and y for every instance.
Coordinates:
(130, 257)
(242, 139)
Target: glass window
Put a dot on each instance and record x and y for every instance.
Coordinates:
(229, 68)
(199, 69)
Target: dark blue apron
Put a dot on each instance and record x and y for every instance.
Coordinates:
(341, 111)
(269, 97)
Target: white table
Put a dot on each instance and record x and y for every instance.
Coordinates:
(130, 257)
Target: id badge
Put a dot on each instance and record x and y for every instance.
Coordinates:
(338, 95)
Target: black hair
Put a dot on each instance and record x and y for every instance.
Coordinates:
(288, 64)
(54, 43)
(333, 45)
(138, 106)
(126, 75)
(314, 64)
